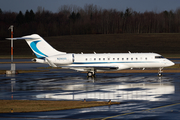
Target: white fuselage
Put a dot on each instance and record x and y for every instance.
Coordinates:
(119, 61)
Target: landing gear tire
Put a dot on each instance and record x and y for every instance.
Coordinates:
(90, 74)
(160, 72)
(160, 75)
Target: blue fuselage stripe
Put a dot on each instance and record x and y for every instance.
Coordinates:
(115, 62)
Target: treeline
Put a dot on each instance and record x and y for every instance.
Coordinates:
(72, 20)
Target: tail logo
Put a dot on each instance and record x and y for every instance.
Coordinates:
(37, 52)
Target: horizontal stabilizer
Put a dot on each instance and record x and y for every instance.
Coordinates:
(21, 38)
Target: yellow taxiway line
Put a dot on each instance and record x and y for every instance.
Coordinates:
(142, 111)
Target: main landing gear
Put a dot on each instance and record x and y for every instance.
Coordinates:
(160, 72)
(91, 74)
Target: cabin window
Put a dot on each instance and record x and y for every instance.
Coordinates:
(122, 58)
(159, 57)
(86, 59)
(103, 58)
(94, 58)
(117, 58)
(113, 58)
(136, 58)
(127, 58)
(108, 58)
(131, 58)
(146, 58)
(99, 58)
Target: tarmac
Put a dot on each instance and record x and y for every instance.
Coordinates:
(142, 95)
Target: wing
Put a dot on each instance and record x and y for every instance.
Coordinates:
(92, 68)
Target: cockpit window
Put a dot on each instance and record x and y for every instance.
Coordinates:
(159, 57)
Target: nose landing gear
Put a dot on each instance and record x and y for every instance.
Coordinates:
(160, 72)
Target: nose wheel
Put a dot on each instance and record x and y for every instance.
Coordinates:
(160, 72)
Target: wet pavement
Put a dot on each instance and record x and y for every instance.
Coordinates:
(142, 95)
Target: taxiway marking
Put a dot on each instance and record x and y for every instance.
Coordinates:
(142, 111)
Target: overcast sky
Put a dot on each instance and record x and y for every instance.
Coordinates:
(53, 5)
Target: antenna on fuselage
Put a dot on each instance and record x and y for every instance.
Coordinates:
(129, 52)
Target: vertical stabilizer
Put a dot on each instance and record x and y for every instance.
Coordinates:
(40, 47)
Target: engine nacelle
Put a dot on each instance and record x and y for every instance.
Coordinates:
(38, 60)
(62, 59)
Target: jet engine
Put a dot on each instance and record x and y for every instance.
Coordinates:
(38, 60)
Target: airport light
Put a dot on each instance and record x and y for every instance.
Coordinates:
(11, 27)
(13, 66)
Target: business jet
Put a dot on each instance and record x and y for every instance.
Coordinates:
(92, 63)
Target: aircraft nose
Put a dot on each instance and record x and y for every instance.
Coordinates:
(171, 63)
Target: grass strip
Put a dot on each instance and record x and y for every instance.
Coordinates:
(8, 106)
(21, 62)
(17, 56)
(23, 71)
(120, 71)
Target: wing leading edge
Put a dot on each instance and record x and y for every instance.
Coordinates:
(92, 68)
